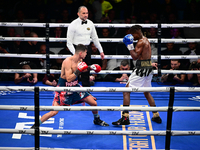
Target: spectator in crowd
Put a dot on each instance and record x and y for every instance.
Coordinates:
(106, 6)
(52, 79)
(154, 50)
(193, 50)
(58, 33)
(109, 48)
(6, 63)
(175, 33)
(194, 78)
(20, 17)
(42, 18)
(30, 78)
(100, 62)
(65, 16)
(119, 77)
(174, 78)
(170, 50)
(29, 47)
(192, 12)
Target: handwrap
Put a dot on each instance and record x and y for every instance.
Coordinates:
(143, 67)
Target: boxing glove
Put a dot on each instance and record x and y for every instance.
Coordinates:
(95, 67)
(128, 41)
(80, 68)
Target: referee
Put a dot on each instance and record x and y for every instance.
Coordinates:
(81, 31)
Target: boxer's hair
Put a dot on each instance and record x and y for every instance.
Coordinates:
(135, 28)
(80, 47)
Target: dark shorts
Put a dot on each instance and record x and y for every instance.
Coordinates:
(69, 98)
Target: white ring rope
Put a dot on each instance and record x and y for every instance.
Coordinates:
(91, 108)
(99, 132)
(55, 56)
(51, 39)
(121, 25)
(100, 89)
(52, 71)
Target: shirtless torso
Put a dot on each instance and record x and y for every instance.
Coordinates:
(142, 50)
(69, 66)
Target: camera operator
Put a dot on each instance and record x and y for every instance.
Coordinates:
(174, 78)
(194, 78)
(31, 78)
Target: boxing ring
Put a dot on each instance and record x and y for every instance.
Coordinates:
(129, 136)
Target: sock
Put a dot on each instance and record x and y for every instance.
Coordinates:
(154, 111)
(125, 111)
(96, 115)
(40, 122)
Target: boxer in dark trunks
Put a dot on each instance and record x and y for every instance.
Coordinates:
(70, 70)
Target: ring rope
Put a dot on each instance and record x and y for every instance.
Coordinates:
(91, 108)
(100, 89)
(20, 24)
(151, 40)
(52, 71)
(55, 56)
(99, 132)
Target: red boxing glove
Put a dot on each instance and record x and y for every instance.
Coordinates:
(95, 67)
(82, 66)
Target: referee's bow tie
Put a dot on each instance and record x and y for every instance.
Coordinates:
(84, 22)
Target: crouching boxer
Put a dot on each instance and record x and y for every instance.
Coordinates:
(71, 68)
(142, 73)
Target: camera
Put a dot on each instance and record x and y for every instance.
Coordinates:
(31, 78)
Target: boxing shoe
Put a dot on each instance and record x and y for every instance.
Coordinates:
(98, 121)
(122, 121)
(157, 119)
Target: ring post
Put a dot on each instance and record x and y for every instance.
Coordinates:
(159, 49)
(47, 50)
(169, 119)
(37, 113)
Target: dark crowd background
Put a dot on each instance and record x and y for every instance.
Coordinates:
(121, 11)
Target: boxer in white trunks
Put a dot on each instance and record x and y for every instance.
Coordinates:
(142, 73)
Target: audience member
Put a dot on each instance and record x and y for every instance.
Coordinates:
(119, 77)
(109, 48)
(192, 12)
(30, 78)
(193, 50)
(106, 6)
(29, 47)
(154, 50)
(58, 33)
(175, 33)
(194, 78)
(42, 18)
(174, 78)
(56, 7)
(97, 10)
(20, 17)
(170, 50)
(52, 79)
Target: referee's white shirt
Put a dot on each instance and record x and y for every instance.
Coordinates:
(79, 33)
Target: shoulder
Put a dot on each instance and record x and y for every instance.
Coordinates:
(67, 60)
(90, 22)
(73, 22)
